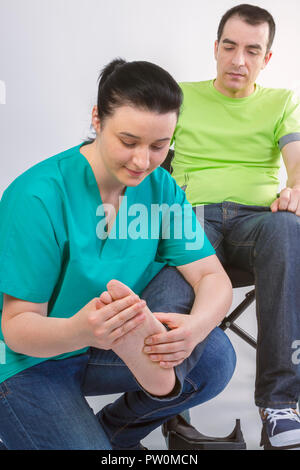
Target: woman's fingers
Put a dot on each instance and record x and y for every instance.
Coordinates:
(174, 357)
(118, 306)
(119, 320)
(165, 348)
(168, 337)
(127, 327)
(168, 354)
(170, 365)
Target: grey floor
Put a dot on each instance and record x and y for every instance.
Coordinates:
(217, 417)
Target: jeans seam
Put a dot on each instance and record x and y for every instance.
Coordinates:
(17, 421)
(137, 420)
(249, 243)
(5, 391)
(218, 242)
(224, 218)
(191, 382)
(227, 217)
(258, 403)
(258, 330)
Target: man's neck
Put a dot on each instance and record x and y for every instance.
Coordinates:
(234, 93)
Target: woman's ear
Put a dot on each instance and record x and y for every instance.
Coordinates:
(95, 119)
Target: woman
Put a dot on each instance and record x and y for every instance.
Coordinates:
(74, 269)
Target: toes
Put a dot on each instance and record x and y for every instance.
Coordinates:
(99, 304)
(106, 298)
(117, 289)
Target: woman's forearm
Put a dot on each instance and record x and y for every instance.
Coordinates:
(95, 324)
(35, 335)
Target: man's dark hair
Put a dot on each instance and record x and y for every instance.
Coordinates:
(252, 15)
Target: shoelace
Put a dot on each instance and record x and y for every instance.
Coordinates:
(286, 413)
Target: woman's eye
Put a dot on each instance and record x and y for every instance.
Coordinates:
(154, 147)
(127, 144)
(133, 144)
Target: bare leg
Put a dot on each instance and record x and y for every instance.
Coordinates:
(150, 375)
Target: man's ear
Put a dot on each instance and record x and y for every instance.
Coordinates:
(96, 119)
(267, 59)
(216, 49)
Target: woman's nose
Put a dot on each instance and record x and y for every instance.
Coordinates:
(141, 158)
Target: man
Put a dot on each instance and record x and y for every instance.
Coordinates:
(228, 143)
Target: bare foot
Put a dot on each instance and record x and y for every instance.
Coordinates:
(150, 375)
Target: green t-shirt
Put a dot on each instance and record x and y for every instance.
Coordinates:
(229, 149)
(54, 246)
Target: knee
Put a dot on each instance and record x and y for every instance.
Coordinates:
(222, 359)
(279, 236)
(281, 226)
(218, 362)
(215, 367)
(169, 292)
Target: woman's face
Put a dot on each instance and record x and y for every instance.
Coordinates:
(133, 142)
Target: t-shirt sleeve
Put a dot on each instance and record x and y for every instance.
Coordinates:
(288, 129)
(182, 238)
(172, 143)
(30, 256)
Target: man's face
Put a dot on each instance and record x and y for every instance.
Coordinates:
(241, 54)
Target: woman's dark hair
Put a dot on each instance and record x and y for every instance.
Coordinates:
(141, 84)
(252, 15)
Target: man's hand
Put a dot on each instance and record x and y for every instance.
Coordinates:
(289, 200)
(173, 347)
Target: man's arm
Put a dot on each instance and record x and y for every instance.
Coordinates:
(289, 199)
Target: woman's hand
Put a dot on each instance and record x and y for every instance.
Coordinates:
(100, 325)
(173, 347)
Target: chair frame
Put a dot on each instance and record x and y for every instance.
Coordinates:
(228, 322)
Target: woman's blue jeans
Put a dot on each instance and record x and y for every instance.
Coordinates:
(44, 407)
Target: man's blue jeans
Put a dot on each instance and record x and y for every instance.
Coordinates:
(44, 407)
(267, 244)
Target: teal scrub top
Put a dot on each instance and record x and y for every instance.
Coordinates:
(54, 248)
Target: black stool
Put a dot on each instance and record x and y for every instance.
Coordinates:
(240, 278)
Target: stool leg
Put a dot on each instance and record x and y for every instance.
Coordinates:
(228, 322)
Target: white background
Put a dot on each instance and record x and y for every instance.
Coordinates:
(51, 53)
